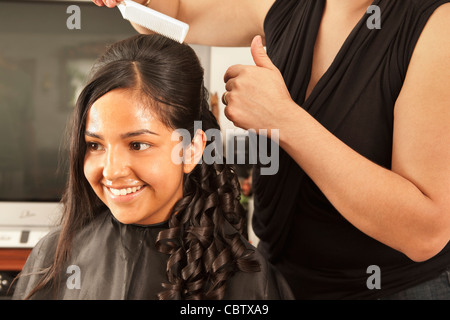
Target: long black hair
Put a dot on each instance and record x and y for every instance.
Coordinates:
(203, 252)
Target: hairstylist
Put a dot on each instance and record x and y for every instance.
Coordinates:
(363, 115)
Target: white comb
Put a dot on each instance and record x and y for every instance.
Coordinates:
(153, 20)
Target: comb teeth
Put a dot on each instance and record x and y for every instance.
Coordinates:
(153, 20)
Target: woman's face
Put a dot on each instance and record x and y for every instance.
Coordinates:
(128, 159)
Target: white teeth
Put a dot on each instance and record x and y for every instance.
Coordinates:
(125, 191)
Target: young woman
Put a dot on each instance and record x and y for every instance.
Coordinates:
(363, 113)
(138, 224)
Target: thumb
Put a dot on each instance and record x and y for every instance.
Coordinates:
(259, 54)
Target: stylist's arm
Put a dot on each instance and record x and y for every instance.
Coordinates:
(231, 23)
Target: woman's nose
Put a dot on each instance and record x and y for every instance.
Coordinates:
(116, 165)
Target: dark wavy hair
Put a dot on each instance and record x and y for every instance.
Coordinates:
(204, 254)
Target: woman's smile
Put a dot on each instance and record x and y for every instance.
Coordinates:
(124, 194)
(124, 191)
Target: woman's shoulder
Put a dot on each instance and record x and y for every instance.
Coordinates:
(419, 11)
(422, 5)
(45, 248)
(43, 252)
(416, 15)
(40, 258)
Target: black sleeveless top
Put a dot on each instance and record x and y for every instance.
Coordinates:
(319, 252)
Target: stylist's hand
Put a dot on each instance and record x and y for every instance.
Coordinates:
(113, 3)
(257, 97)
(108, 3)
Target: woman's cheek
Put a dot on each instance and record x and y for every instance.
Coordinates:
(92, 171)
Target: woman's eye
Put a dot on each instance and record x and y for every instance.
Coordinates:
(139, 146)
(93, 146)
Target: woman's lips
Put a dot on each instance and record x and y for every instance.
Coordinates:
(124, 193)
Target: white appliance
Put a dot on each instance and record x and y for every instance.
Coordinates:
(23, 225)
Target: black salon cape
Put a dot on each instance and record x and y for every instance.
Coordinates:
(118, 261)
(319, 252)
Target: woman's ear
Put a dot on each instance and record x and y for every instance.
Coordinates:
(194, 152)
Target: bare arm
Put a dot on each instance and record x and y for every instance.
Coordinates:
(212, 22)
(406, 208)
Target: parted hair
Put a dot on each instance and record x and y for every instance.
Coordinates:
(203, 253)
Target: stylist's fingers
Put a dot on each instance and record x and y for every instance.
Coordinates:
(233, 72)
(231, 113)
(108, 3)
(99, 3)
(230, 84)
(111, 3)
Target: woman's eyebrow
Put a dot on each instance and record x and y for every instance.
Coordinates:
(137, 133)
(92, 134)
(123, 136)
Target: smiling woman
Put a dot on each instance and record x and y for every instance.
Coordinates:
(130, 168)
(136, 224)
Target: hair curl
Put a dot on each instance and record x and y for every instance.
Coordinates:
(203, 253)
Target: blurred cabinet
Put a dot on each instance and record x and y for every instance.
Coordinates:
(13, 259)
(11, 263)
